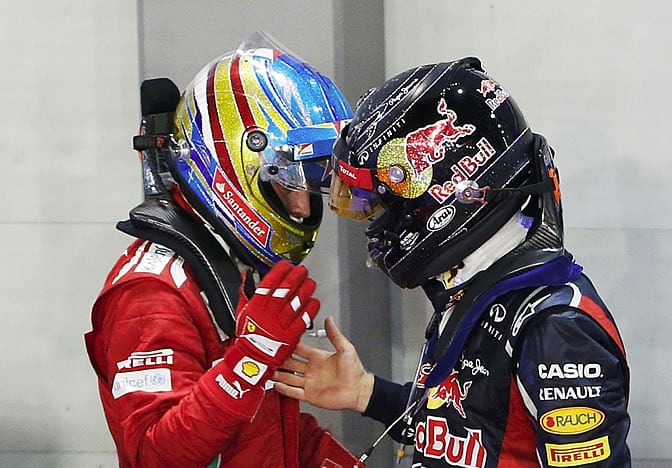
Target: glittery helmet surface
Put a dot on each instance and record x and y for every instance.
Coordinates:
(249, 118)
(416, 153)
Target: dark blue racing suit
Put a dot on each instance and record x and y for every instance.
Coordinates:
(528, 371)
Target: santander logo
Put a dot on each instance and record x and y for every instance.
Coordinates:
(250, 220)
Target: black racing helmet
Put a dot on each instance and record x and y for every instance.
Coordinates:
(422, 158)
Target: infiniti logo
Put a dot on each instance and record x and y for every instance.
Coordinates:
(441, 218)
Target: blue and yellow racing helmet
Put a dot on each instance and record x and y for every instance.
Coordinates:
(256, 116)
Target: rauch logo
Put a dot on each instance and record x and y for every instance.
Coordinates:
(572, 420)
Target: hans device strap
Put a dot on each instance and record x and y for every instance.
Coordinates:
(162, 221)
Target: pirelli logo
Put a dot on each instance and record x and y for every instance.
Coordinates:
(578, 454)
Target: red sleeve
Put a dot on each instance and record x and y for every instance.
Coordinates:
(318, 447)
(164, 407)
(310, 434)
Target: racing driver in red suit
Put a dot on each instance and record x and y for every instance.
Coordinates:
(183, 349)
(523, 364)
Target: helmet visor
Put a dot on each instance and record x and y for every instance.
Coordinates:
(310, 175)
(302, 163)
(351, 193)
(352, 202)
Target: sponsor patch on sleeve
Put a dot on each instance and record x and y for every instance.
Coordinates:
(571, 420)
(149, 381)
(155, 259)
(147, 358)
(581, 453)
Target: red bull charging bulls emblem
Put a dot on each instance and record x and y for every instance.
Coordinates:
(493, 93)
(426, 146)
(449, 392)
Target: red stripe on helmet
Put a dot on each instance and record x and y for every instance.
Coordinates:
(239, 95)
(217, 131)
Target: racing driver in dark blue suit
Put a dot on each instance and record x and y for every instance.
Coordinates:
(523, 364)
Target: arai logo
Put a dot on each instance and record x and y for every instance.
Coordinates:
(441, 218)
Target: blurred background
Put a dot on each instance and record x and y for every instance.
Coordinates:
(594, 77)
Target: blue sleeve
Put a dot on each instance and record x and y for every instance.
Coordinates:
(387, 402)
(574, 382)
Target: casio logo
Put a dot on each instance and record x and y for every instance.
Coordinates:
(570, 370)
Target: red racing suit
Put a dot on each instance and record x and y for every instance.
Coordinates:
(155, 349)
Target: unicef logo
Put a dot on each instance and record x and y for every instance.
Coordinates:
(157, 379)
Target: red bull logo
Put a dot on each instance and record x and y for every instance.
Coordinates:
(487, 86)
(465, 169)
(426, 146)
(449, 392)
(434, 440)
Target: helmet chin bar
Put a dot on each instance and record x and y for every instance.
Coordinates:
(382, 235)
(461, 245)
